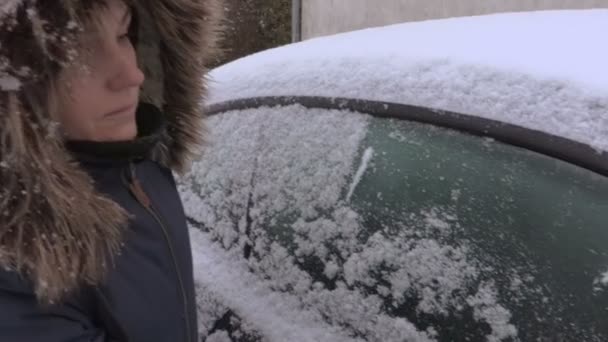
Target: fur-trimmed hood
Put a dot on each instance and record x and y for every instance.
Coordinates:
(55, 229)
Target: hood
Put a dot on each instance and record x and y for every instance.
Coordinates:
(55, 229)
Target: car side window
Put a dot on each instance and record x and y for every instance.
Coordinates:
(359, 216)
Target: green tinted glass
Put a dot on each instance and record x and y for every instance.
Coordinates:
(538, 225)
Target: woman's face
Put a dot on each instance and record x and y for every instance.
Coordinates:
(103, 91)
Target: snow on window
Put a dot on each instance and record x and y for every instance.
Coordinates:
(296, 261)
(305, 159)
(220, 336)
(486, 309)
(279, 316)
(216, 191)
(209, 306)
(296, 148)
(601, 283)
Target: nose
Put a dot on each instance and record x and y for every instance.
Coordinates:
(126, 74)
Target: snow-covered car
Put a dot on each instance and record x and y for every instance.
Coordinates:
(435, 181)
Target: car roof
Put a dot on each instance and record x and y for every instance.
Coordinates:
(543, 70)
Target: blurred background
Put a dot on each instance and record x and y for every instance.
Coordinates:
(256, 25)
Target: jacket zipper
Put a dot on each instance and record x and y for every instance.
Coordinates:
(140, 195)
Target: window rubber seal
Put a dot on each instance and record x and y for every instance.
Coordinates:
(564, 149)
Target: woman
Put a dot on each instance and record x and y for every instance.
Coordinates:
(99, 103)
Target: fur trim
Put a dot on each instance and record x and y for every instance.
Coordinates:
(55, 229)
(188, 30)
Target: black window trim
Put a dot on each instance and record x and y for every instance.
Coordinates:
(561, 148)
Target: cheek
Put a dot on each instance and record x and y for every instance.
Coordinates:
(80, 121)
(75, 124)
(76, 110)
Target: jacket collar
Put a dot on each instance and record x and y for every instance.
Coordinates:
(151, 125)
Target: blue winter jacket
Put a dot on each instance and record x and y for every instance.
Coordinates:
(148, 295)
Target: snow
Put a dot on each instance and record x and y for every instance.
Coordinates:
(12, 77)
(542, 70)
(8, 83)
(220, 336)
(277, 315)
(8, 7)
(275, 180)
(601, 282)
(280, 241)
(367, 156)
(314, 146)
(484, 304)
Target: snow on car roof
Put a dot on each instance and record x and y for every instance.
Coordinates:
(541, 70)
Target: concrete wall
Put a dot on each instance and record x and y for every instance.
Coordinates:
(323, 17)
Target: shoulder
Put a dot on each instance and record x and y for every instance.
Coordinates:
(13, 282)
(23, 317)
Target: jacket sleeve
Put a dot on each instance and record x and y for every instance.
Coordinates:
(23, 319)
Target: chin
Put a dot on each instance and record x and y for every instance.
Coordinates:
(125, 133)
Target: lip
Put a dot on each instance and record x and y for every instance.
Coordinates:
(120, 111)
